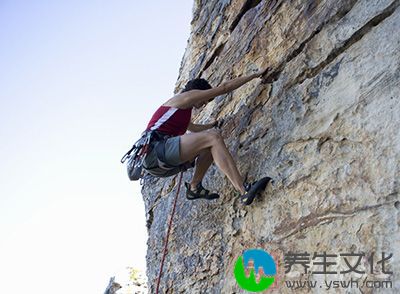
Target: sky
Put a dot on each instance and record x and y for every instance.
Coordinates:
(79, 81)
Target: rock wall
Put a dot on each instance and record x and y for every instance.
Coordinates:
(324, 123)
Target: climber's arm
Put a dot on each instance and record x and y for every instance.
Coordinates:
(194, 97)
(237, 82)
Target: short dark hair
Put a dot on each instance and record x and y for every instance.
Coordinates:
(198, 84)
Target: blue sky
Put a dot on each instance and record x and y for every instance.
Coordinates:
(79, 81)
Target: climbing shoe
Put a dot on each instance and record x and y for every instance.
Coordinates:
(252, 190)
(199, 192)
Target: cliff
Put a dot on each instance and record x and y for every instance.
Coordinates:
(324, 123)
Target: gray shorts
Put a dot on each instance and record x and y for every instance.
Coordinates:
(172, 157)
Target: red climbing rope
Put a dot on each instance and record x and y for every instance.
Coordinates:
(167, 237)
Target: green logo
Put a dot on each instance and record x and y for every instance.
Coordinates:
(255, 270)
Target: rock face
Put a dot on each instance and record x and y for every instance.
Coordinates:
(324, 123)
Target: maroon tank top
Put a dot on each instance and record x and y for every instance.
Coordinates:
(170, 120)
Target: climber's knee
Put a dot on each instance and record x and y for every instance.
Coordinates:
(214, 137)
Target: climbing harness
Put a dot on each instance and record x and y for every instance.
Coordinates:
(168, 232)
(137, 154)
(136, 165)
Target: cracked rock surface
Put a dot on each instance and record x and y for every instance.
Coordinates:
(324, 123)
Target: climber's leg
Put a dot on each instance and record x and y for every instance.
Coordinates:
(191, 145)
(203, 162)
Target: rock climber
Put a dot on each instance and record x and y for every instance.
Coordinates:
(204, 145)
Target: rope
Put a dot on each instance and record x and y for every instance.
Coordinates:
(168, 232)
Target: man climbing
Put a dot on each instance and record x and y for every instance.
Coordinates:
(173, 147)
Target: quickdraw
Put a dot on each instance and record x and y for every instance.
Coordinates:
(136, 156)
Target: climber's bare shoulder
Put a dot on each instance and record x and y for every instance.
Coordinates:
(177, 101)
(195, 97)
